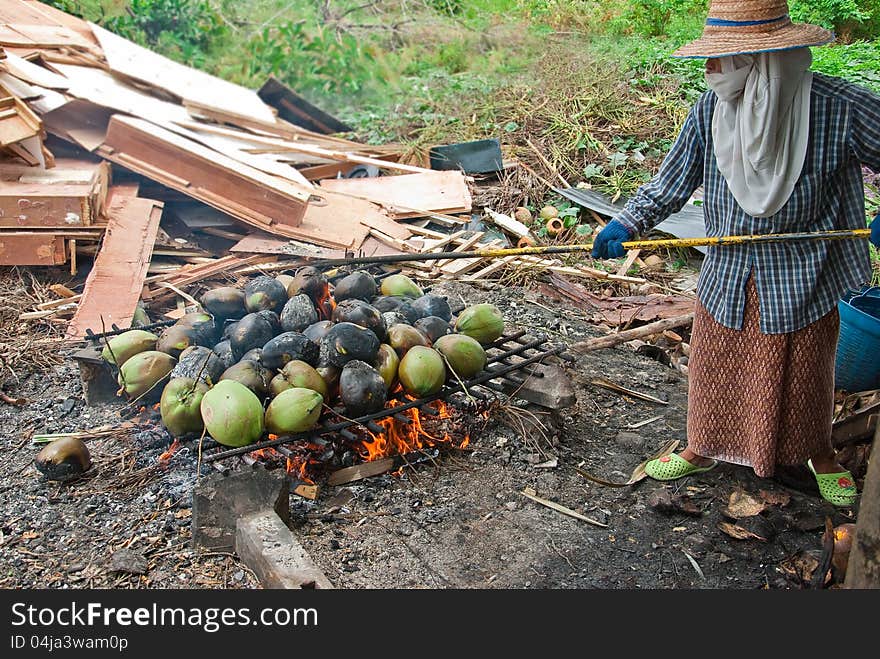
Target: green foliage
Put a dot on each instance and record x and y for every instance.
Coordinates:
(852, 18)
(858, 62)
(189, 25)
(312, 58)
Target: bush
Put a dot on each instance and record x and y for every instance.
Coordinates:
(849, 18)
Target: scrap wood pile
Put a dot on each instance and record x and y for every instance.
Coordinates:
(166, 176)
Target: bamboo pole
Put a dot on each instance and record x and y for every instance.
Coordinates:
(844, 234)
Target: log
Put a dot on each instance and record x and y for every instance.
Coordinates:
(628, 335)
(863, 568)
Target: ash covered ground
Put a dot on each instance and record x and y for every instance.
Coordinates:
(461, 522)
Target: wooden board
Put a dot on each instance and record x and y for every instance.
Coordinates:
(43, 198)
(31, 248)
(410, 195)
(129, 59)
(259, 199)
(297, 110)
(79, 121)
(17, 121)
(33, 73)
(116, 281)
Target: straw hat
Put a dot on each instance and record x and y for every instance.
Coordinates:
(735, 27)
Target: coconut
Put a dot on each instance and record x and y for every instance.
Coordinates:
(347, 341)
(294, 410)
(394, 318)
(482, 322)
(388, 302)
(128, 344)
(300, 374)
(386, 364)
(548, 212)
(284, 280)
(358, 284)
(330, 375)
(203, 324)
(422, 371)
(224, 302)
(277, 385)
(316, 331)
(224, 352)
(273, 319)
(232, 413)
(64, 459)
(180, 406)
(433, 327)
(400, 285)
(251, 375)
(175, 339)
(254, 355)
(308, 281)
(360, 313)
(140, 317)
(403, 337)
(289, 346)
(464, 355)
(252, 331)
(430, 305)
(298, 313)
(145, 372)
(523, 214)
(264, 292)
(361, 389)
(199, 362)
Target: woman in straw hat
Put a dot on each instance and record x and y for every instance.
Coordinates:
(778, 149)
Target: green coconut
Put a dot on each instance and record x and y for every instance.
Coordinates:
(464, 355)
(140, 318)
(232, 413)
(303, 375)
(278, 384)
(294, 410)
(400, 286)
(179, 406)
(128, 344)
(144, 372)
(251, 374)
(422, 371)
(482, 322)
(387, 363)
(177, 338)
(403, 337)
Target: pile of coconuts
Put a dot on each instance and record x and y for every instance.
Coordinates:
(260, 360)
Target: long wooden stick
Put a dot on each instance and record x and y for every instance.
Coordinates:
(845, 234)
(628, 335)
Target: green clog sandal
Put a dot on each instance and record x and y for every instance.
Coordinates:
(673, 466)
(838, 489)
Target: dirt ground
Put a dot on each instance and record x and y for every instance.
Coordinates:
(462, 522)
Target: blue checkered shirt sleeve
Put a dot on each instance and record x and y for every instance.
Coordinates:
(798, 282)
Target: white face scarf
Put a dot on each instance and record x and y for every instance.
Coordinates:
(761, 125)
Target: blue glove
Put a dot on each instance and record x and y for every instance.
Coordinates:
(875, 232)
(608, 243)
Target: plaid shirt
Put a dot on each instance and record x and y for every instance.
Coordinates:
(800, 281)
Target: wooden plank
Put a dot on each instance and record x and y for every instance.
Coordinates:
(129, 59)
(40, 198)
(242, 191)
(282, 146)
(458, 267)
(34, 74)
(631, 257)
(410, 195)
(31, 248)
(294, 108)
(493, 267)
(17, 121)
(116, 280)
(463, 246)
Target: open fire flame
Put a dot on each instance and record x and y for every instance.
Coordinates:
(325, 304)
(397, 439)
(401, 438)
